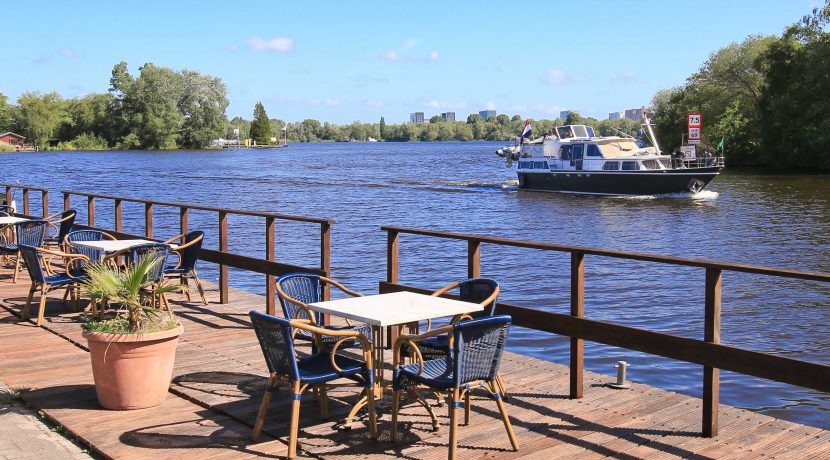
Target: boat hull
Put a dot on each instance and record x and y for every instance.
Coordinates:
(619, 182)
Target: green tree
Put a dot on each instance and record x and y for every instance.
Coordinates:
(5, 114)
(203, 102)
(261, 125)
(436, 119)
(474, 118)
(39, 116)
(573, 118)
(382, 129)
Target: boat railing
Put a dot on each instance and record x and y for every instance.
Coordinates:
(708, 352)
(220, 256)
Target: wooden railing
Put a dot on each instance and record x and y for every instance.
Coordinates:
(708, 352)
(225, 259)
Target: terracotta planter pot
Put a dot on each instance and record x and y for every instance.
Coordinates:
(132, 371)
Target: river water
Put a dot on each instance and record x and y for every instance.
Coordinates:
(748, 217)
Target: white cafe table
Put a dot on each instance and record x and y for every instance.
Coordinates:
(382, 311)
(11, 220)
(113, 246)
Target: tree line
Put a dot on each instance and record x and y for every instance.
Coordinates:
(767, 98)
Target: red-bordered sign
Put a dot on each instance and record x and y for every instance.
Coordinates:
(695, 121)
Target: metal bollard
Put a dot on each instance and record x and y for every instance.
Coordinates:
(621, 383)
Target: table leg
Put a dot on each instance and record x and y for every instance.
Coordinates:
(378, 338)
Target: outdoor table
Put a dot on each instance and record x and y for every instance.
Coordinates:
(11, 220)
(382, 311)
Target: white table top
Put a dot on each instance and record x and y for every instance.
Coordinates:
(111, 246)
(9, 220)
(393, 309)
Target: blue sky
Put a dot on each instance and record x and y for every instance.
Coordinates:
(345, 61)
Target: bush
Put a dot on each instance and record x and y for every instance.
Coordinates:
(6, 148)
(89, 142)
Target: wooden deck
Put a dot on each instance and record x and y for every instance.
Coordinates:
(220, 374)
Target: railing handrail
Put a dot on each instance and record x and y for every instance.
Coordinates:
(39, 189)
(630, 255)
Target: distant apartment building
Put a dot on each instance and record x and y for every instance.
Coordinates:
(635, 114)
(487, 114)
(416, 117)
(564, 114)
(615, 115)
(448, 116)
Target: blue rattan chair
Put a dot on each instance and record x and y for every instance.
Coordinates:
(188, 253)
(6, 210)
(476, 348)
(94, 255)
(276, 338)
(61, 224)
(297, 290)
(43, 279)
(29, 233)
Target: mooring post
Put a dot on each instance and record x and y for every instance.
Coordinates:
(578, 311)
(711, 334)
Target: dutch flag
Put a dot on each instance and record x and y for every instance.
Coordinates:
(526, 132)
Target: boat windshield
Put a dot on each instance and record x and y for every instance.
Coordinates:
(579, 131)
(614, 148)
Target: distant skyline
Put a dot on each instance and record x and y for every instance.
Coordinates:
(343, 61)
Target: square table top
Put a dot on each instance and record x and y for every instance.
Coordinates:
(111, 246)
(9, 220)
(395, 308)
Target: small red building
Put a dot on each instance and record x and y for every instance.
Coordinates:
(15, 140)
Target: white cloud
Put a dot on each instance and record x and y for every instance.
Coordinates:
(332, 102)
(433, 56)
(375, 103)
(410, 43)
(279, 44)
(68, 53)
(490, 105)
(444, 105)
(624, 77)
(389, 55)
(560, 77)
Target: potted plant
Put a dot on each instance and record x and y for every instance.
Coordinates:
(132, 354)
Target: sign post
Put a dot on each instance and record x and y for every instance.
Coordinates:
(694, 128)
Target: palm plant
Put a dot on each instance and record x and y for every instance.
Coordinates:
(106, 283)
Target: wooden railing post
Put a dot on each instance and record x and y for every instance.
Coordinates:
(577, 310)
(118, 216)
(66, 202)
(325, 262)
(223, 247)
(44, 202)
(711, 334)
(473, 259)
(148, 220)
(270, 292)
(90, 211)
(26, 201)
(9, 194)
(392, 243)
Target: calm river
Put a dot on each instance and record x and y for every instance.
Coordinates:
(776, 220)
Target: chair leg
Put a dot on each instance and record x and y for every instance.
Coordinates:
(65, 295)
(295, 420)
(373, 422)
(324, 402)
(24, 315)
(16, 268)
(467, 407)
(396, 404)
(263, 407)
(453, 423)
(504, 417)
(200, 288)
(42, 307)
(501, 387)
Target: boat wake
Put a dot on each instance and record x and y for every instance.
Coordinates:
(462, 186)
(703, 195)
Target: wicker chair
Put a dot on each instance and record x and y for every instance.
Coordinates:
(276, 338)
(45, 280)
(61, 224)
(476, 347)
(188, 254)
(29, 233)
(297, 290)
(6, 210)
(94, 255)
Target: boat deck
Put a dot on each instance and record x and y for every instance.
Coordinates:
(220, 374)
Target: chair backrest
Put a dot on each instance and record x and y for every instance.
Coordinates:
(33, 263)
(190, 254)
(153, 251)
(31, 232)
(478, 345)
(6, 210)
(306, 288)
(477, 290)
(277, 346)
(95, 255)
(67, 221)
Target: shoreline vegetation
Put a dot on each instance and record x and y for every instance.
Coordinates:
(766, 99)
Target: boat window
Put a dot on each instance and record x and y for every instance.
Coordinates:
(525, 164)
(611, 166)
(564, 132)
(629, 166)
(593, 151)
(565, 152)
(590, 131)
(651, 164)
(579, 131)
(577, 151)
(539, 165)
